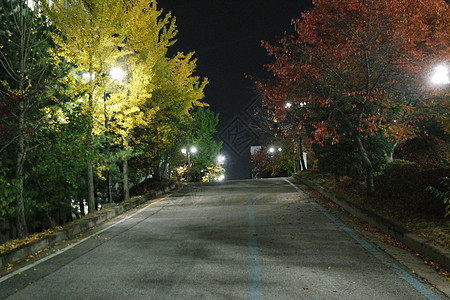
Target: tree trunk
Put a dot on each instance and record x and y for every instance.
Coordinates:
(390, 155)
(82, 207)
(22, 229)
(367, 164)
(300, 153)
(90, 184)
(126, 187)
(21, 223)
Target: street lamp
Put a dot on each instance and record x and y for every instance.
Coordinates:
(440, 75)
(272, 150)
(220, 159)
(188, 152)
(115, 73)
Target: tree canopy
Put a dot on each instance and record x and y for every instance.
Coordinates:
(90, 101)
(357, 69)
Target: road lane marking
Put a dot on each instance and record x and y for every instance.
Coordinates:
(253, 254)
(400, 272)
(61, 251)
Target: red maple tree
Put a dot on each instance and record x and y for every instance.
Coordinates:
(358, 68)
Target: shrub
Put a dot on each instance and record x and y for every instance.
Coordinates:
(444, 194)
(428, 151)
(407, 182)
(394, 179)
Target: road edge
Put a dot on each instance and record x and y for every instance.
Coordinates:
(72, 230)
(423, 246)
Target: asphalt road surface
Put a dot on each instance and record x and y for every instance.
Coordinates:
(253, 239)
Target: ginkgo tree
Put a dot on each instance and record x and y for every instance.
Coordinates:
(88, 36)
(96, 36)
(355, 69)
(177, 91)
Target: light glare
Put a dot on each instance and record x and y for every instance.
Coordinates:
(117, 73)
(440, 76)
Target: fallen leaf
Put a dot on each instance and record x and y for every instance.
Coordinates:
(9, 266)
(315, 271)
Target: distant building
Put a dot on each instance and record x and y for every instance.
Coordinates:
(254, 149)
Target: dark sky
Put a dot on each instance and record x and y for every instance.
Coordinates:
(226, 37)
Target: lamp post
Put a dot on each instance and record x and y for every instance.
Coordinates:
(187, 152)
(115, 73)
(301, 154)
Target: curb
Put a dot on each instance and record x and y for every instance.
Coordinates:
(71, 231)
(421, 245)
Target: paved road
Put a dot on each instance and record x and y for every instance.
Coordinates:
(255, 239)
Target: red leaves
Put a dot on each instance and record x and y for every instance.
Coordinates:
(355, 56)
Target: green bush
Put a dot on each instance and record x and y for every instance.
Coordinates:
(343, 158)
(428, 151)
(407, 183)
(394, 180)
(443, 194)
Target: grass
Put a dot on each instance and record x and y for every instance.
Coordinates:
(433, 227)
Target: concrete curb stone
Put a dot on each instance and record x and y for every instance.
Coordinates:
(22, 252)
(423, 246)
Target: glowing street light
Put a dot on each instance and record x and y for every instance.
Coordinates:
(188, 152)
(220, 159)
(441, 75)
(117, 73)
(272, 150)
(88, 76)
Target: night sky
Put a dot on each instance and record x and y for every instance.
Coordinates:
(226, 37)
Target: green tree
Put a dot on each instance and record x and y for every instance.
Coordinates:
(177, 92)
(90, 42)
(58, 177)
(203, 128)
(25, 77)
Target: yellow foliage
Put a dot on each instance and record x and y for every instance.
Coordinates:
(13, 244)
